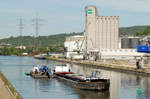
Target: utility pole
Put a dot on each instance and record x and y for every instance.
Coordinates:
(85, 36)
(36, 24)
(21, 31)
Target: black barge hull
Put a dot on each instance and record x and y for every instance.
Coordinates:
(95, 85)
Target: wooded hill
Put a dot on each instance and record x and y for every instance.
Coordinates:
(58, 39)
(44, 41)
(132, 30)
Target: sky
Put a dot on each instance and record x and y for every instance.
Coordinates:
(65, 16)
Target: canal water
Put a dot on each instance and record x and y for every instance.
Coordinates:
(123, 85)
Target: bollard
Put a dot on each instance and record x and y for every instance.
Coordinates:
(15, 96)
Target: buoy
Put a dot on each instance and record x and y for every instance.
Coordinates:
(25, 73)
(139, 90)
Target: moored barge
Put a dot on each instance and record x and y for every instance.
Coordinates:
(81, 81)
(42, 72)
(39, 76)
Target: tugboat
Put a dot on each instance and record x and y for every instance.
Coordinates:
(80, 81)
(42, 72)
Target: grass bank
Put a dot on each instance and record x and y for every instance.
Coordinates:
(10, 87)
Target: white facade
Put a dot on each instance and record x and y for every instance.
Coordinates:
(74, 44)
(120, 54)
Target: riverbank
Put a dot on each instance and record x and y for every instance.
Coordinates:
(108, 66)
(4, 94)
(7, 91)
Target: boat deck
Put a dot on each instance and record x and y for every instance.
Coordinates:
(93, 84)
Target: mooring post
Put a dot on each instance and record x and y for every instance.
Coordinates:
(15, 95)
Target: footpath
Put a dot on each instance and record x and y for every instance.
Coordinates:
(4, 94)
(105, 65)
(7, 91)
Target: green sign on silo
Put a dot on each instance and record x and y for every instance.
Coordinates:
(89, 11)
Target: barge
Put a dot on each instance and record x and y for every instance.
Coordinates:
(81, 81)
(39, 76)
(42, 72)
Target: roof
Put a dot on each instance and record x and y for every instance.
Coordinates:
(75, 38)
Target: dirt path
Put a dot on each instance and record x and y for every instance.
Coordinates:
(4, 94)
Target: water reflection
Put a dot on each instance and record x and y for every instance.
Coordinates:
(122, 85)
(92, 95)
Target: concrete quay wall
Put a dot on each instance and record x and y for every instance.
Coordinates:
(122, 66)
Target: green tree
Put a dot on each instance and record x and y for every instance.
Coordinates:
(146, 32)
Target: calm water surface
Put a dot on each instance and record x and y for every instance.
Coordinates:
(123, 85)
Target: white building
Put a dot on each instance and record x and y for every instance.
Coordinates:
(102, 37)
(21, 47)
(74, 45)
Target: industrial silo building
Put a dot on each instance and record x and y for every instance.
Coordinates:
(101, 32)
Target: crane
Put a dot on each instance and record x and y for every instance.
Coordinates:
(78, 45)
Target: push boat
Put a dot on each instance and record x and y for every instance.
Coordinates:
(42, 72)
(80, 81)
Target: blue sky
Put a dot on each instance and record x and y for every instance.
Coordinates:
(64, 16)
